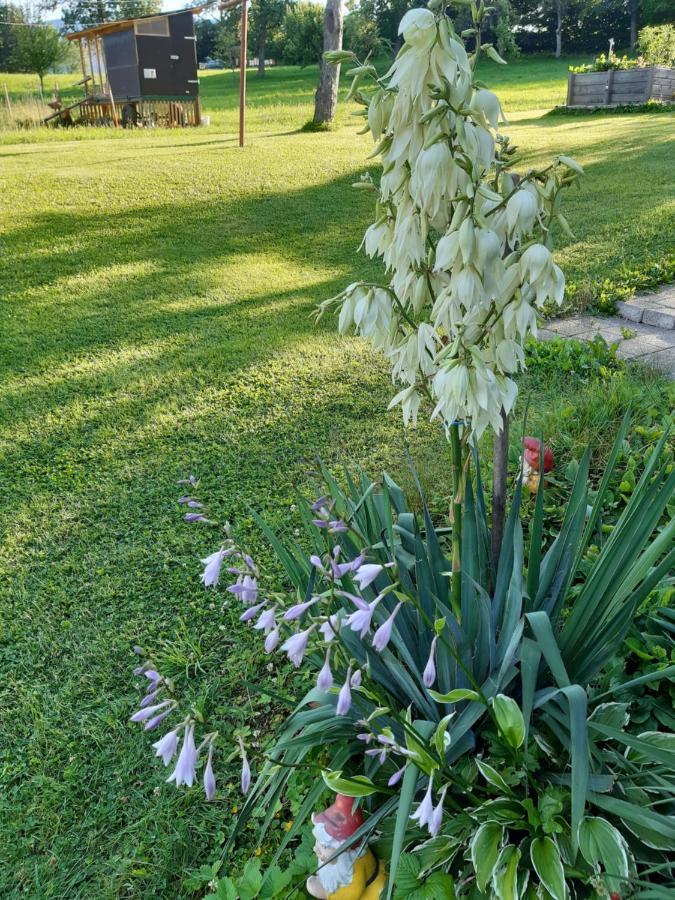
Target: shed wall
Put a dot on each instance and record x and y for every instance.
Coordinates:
(121, 62)
(172, 60)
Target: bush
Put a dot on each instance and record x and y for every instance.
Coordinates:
(362, 36)
(301, 39)
(657, 44)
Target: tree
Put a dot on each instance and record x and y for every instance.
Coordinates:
(362, 35)
(80, 13)
(301, 37)
(10, 17)
(325, 100)
(265, 16)
(227, 44)
(40, 48)
(206, 33)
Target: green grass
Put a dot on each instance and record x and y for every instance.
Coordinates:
(156, 291)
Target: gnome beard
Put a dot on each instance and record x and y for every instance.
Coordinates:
(338, 873)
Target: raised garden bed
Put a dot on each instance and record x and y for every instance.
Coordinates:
(618, 87)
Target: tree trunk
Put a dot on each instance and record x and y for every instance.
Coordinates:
(325, 100)
(262, 41)
(558, 30)
(634, 10)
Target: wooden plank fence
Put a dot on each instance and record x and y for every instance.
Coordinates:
(619, 87)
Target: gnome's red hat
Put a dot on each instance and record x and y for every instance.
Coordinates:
(339, 820)
(532, 453)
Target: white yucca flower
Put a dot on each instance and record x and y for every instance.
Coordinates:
(461, 237)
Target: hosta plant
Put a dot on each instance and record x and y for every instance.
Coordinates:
(476, 739)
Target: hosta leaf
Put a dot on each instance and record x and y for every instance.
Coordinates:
(548, 866)
(485, 851)
(509, 719)
(492, 776)
(505, 874)
(604, 848)
(356, 786)
(455, 696)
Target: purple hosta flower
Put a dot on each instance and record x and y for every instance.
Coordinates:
(396, 777)
(365, 737)
(195, 517)
(299, 609)
(185, 500)
(425, 810)
(356, 679)
(380, 753)
(267, 622)
(212, 566)
(245, 770)
(429, 674)
(383, 634)
(189, 480)
(166, 746)
(296, 645)
(152, 675)
(437, 815)
(151, 724)
(209, 777)
(344, 702)
(366, 574)
(186, 766)
(149, 698)
(252, 611)
(149, 711)
(361, 620)
(138, 650)
(246, 587)
(337, 526)
(195, 504)
(321, 503)
(325, 680)
(330, 628)
(272, 641)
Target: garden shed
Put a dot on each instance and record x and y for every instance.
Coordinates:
(140, 71)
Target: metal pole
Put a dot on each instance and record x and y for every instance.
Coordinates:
(243, 52)
(9, 105)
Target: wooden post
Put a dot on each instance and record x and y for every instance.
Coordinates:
(82, 63)
(608, 89)
(243, 52)
(570, 88)
(112, 107)
(9, 105)
(98, 62)
(91, 63)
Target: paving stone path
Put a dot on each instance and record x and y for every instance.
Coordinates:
(645, 327)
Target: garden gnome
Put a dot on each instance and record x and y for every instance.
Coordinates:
(356, 874)
(532, 453)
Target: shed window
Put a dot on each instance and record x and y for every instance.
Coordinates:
(158, 27)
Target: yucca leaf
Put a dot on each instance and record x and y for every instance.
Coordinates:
(602, 489)
(541, 628)
(536, 536)
(530, 657)
(405, 801)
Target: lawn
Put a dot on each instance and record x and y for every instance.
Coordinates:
(156, 297)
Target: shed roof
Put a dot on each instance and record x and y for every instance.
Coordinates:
(121, 24)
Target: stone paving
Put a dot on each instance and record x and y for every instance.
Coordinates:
(645, 329)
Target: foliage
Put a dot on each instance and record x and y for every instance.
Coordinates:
(657, 44)
(78, 14)
(217, 372)
(40, 47)
(10, 15)
(301, 35)
(265, 17)
(515, 707)
(605, 63)
(362, 36)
